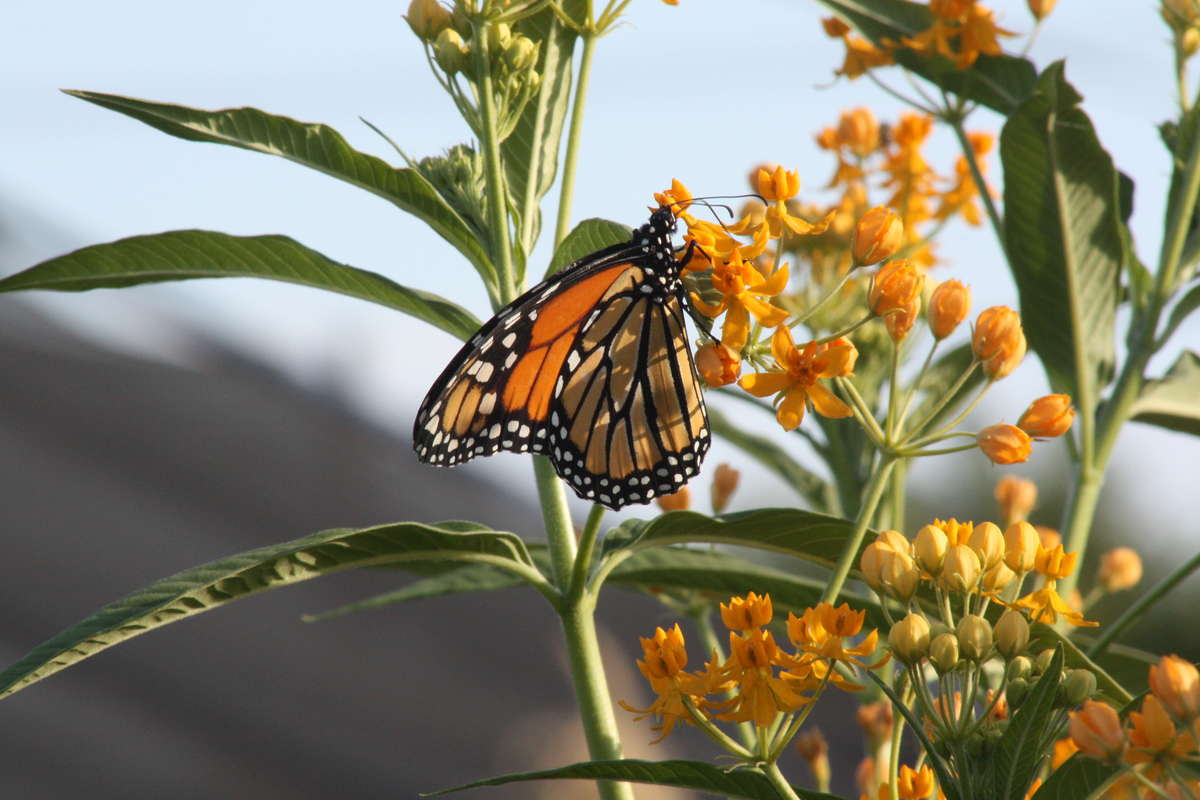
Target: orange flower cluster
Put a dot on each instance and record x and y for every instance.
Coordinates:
(1162, 733)
(765, 679)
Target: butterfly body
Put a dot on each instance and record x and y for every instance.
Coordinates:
(591, 368)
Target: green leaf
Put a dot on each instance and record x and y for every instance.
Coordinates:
(740, 783)
(766, 452)
(1000, 82)
(1171, 401)
(1077, 777)
(1021, 748)
(1182, 310)
(181, 255)
(1063, 235)
(1043, 637)
(219, 582)
(804, 534)
(312, 145)
(531, 150)
(945, 780)
(461, 580)
(586, 238)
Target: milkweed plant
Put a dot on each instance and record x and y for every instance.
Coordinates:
(967, 643)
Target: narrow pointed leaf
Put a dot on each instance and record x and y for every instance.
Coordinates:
(219, 582)
(1000, 82)
(936, 758)
(1172, 401)
(1182, 310)
(587, 237)
(1043, 637)
(697, 775)
(462, 580)
(312, 145)
(1077, 777)
(1019, 752)
(182, 255)
(804, 534)
(766, 452)
(1062, 231)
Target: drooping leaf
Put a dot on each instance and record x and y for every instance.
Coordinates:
(1062, 232)
(313, 145)
(1077, 777)
(698, 775)
(183, 255)
(587, 237)
(1021, 748)
(1000, 82)
(1182, 310)
(1171, 401)
(460, 580)
(814, 537)
(220, 582)
(1043, 636)
(775, 458)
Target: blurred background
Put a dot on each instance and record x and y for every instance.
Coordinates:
(149, 430)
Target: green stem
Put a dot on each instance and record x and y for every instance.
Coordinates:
(574, 135)
(497, 205)
(583, 556)
(779, 782)
(871, 496)
(956, 122)
(1146, 601)
(899, 486)
(946, 398)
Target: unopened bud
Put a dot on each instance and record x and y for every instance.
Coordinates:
(871, 565)
(894, 540)
(998, 341)
(943, 652)
(930, 548)
(1021, 543)
(1017, 691)
(521, 54)
(1021, 667)
(1048, 416)
(858, 131)
(877, 237)
(450, 51)
(681, 500)
(1097, 732)
(974, 638)
(997, 578)
(1004, 444)
(1012, 635)
(1176, 683)
(895, 287)
(1040, 8)
(427, 18)
(1016, 497)
(948, 307)
(718, 363)
(988, 543)
(1078, 685)
(1120, 568)
(499, 35)
(1042, 662)
(909, 639)
(899, 576)
(960, 570)
(812, 747)
(725, 481)
(899, 323)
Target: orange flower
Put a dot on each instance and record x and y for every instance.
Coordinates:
(718, 364)
(751, 612)
(998, 341)
(681, 500)
(1045, 605)
(877, 237)
(1054, 562)
(913, 784)
(1177, 684)
(1063, 749)
(664, 658)
(820, 630)
(1004, 444)
(862, 56)
(948, 307)
(900, 322)
(743, 289)
(858, 131)
(797, 384)
(1120, 569)
(1041, 8)
(725, 481)
(978, 34)
(761, 694)
(960, 198)
(1048, 416)
(1096, 730)
(1153, 735)
(895, 287)
(1016, 497)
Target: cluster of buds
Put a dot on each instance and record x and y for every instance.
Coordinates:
(759, 682)
(1154, 739)
(982, 670)
(1046, 418)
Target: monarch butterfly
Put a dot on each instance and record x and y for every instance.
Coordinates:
(591, 367)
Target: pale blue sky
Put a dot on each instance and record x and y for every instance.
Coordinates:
(701, 92)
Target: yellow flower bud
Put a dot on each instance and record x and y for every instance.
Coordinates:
(1054, 562)
(681, 500)
(1021, 543)
(718, 364)
(960, 570)
(1078, 685)
(909, 639)
(1012, 637)
(1048, 416)
(858, 131)
(948, 307)
(427, 18)
(1004, 444)
(974, 638)
(870, 564)
(899, 323)
(1016, 497)
(943, 652)
(930, 547)
(834, 27)
(1120, 568)
(894, 540)
(877, 237)
(1189, 42)
(988, 543)
(725, 481)
(521, 54)
(1096, 731)
(1040, 8)
(450, 51)
(998, 341)
(899, 576)
(499, 35)
(664, 655)
(1177, 684)
(997, 578)
(896, 286)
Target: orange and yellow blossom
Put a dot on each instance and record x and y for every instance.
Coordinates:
(1096, 731)
(1054, 562)
(761, 694)
(747, 613)
(960, 198)
(966, 21)
(915, 784)
(664, 657)
(861, 55)
(797, 384)
(1045, 605)
(718, 363)
(1176, 683)
(778, 187)
(1004, 444)
(819, 632)
(742, 289)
